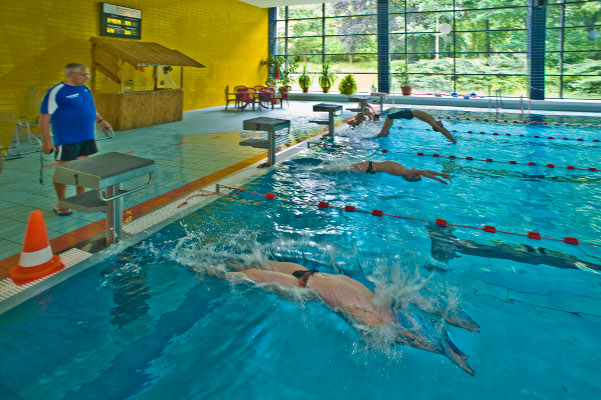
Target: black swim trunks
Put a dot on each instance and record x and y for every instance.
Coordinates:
(405, 113)
(370, 168)
(303, 276)
(72, 151)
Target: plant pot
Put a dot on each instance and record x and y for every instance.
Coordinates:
(406, 90)
(305, 90)
(325, 89)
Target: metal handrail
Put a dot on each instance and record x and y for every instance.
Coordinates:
(124, 192)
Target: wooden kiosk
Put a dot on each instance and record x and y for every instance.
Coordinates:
(129, 110)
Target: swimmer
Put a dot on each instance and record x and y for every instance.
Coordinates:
(406, 113)
(339, 291)
(398, 169)
(354, 299)
(370, 114)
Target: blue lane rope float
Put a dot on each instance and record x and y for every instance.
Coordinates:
(379, 213)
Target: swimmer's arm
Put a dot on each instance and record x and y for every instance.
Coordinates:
(263, 276)
(364, 316)
(254, 274)
(432, 175)
(445, 132)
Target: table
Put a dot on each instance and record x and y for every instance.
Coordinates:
(255, 96)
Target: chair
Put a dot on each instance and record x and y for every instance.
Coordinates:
(9, 138)
(108, 134)
(229, 99)
(29, 118)
(284, 92)
(236, 90)
(8, 124)
(244, 97)
(267, 96)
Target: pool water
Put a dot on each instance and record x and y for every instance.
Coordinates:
(151, 323)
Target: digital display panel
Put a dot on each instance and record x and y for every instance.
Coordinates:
(121, 22)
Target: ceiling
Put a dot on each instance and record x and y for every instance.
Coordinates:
(281, 3)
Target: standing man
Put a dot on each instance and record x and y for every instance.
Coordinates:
(69, 107)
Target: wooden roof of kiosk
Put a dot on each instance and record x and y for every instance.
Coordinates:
(128, 110)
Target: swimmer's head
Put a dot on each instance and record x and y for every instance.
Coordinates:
(413, 178)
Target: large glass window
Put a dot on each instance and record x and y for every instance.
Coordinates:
(449, 45)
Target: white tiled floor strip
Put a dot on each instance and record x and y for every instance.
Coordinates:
(69, 258)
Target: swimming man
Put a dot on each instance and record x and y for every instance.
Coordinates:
(357, 301)
(398, 169)
(406, 113)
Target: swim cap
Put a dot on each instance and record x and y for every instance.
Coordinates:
(413, 178)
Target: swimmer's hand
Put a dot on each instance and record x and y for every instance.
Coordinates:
(434, 175)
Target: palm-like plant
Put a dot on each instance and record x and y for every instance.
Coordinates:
(327, 77)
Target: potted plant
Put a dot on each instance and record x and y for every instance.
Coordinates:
(403, 77)
(327, 77)
(374, 89)
(286, 72)
(347, 85)
(304, 80)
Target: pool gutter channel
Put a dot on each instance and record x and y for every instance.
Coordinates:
(77, 259)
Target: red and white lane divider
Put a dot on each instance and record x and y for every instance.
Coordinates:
(453, 157)
(380, 213)
(524, 136)
(516, 121)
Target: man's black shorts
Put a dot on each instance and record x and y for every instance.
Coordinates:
(71, 151)
(405, 113)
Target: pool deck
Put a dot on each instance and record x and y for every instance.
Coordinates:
(189, 154)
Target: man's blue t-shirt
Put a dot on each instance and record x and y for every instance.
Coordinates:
(73, 113)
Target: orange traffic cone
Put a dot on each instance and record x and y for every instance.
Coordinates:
(37, 260)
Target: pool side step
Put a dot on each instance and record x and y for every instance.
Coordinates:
(70, 258)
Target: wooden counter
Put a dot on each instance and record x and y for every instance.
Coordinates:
(139, 109)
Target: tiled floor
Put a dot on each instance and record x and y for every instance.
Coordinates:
(189, 154)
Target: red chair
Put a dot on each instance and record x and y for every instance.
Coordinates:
(284, 92)
(267, 96)
(236, 90)
(246, 98)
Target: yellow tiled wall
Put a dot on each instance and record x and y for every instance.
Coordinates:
(39, 37)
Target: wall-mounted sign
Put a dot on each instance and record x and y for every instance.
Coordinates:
(121, 22)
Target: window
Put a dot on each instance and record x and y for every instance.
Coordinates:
(485, 50)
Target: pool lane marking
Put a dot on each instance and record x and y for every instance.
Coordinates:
(438, 221)
(435, 155)
(580, 140)
(517, 122)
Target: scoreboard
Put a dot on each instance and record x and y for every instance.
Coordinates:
(121, 22)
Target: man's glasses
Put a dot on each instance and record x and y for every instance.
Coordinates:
(86, 75)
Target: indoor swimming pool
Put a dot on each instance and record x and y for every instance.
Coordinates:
(154, 322)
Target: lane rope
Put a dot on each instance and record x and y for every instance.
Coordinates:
(379, 213)
(517, 122)
(453, 157)
(579, 140)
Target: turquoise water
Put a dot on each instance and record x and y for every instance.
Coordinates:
(149, 323)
